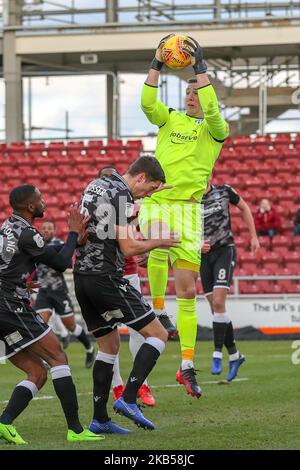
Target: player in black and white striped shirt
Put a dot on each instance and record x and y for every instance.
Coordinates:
(24, 338)
(217, 264)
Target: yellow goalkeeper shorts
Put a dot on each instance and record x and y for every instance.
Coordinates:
(181, 217)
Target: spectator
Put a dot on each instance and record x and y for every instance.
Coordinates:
(267, 220)
(297, 223)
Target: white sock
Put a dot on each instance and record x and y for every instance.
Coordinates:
(78, 330)
(187, 364)
(221, 318)
(135, 342)
(234, 357)
(218, 354)
(117, 379)
(57, 322)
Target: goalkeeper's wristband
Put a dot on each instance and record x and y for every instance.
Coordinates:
(156, 64)
(200, 67)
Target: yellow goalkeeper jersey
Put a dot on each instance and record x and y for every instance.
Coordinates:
(187, 148)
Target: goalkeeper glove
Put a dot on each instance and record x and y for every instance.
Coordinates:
(158, 62)
(194, 50)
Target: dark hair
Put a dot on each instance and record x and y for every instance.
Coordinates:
(20, 195)
(192, 80)
(148, 165)
(49, 221)
(100, 173)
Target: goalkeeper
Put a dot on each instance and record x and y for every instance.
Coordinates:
(188, 146)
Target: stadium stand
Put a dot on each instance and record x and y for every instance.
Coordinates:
(257, 167)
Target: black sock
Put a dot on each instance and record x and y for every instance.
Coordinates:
(84, 340)
(66, 393)
(219, 335)
(19, 400)
(229, 339)
(144, 362)
(82, 336)
(102, 376)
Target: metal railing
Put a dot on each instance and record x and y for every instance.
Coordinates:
(70, 12)
(237, 279)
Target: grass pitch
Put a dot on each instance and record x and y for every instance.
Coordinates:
(261, 411)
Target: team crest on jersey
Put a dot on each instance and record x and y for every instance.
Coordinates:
(198, 121)
(38, 240)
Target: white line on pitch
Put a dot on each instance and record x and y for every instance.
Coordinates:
(51, 397)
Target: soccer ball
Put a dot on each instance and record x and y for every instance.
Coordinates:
(173, 55)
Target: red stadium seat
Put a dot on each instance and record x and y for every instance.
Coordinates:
(56, 150)
(294, 181)
(121, 168)
(134, 144)
(249, 288)
(242, 140)
(273, 288)
(282, 138)
(253, 182)
(249, 258)
(275, 181)
(290, 287)
(264, 242)
(241, 242)
(75, 148)
(17, 149)
(36, 149)
(282, 241)
(115, 144)
(271, 259)
(240, 272)
(262, 139)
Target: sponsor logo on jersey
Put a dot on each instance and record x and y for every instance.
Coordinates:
(211, 210)
(38, 240)
(185, 137)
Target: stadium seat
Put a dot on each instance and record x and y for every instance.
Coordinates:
(56, 150)
(36, 149)
(134, 144)
(253, 182)
(115, 144)
(242, 140)
(272, 288)
(291, 287)
(16, 149)
(270, 259)
(241, 242)
(75, 148)
(282, 241)
(294, 181)
(282, 138)
(246, 287)
(250, 258)
(264, 242)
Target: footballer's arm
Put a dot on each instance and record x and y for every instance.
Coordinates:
(131, 247)
(248, 218)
